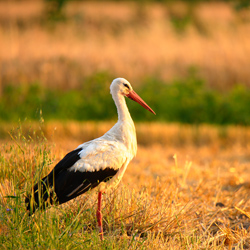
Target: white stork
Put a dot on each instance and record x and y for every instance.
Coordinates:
(98, 163)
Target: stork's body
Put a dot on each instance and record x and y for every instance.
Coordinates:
(98, 163)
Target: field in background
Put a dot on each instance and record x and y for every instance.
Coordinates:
(173, 134)
(188, 61)
(125, 39)
(187, 188)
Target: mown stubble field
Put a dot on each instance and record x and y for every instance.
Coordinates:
(188, 190)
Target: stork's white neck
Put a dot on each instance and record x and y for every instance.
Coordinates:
(122, 109)
(124, 129)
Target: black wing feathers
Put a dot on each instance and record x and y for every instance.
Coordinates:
(68, 161)
(70, 184)
(62, 185)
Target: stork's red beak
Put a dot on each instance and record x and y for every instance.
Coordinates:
(135, 97)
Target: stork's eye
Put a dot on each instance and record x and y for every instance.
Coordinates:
(126, 85)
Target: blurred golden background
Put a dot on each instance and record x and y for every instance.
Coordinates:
(189, 59)
(131, 39)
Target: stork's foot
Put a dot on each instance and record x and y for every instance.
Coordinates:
(99, 215)
(101, 232)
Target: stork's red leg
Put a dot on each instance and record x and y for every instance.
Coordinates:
(99, 215)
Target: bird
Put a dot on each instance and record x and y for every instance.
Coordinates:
(99, 163)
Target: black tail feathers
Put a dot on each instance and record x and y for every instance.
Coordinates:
(41, 196)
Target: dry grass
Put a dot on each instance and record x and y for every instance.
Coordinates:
(129, 40)
(176, 194)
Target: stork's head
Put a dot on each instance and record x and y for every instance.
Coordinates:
(123, 87)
